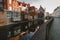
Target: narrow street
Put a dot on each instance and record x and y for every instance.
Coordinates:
(54, 33)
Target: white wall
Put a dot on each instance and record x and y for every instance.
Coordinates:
(57, 13)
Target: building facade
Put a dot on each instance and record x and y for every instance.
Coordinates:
(56, 12)
(11, 10)
(41, 11)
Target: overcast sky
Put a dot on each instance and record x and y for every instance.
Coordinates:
(50, 5)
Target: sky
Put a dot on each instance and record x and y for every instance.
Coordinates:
(49, 5)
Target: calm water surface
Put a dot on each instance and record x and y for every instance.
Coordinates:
(55, 30)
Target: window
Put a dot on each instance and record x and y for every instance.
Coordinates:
(15, 14)
(0, 0)
(4, 6)
(1, 6)
(9, 14)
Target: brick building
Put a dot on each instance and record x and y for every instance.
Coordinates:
(10, 10)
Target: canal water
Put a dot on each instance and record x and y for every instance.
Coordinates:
(54, 33)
